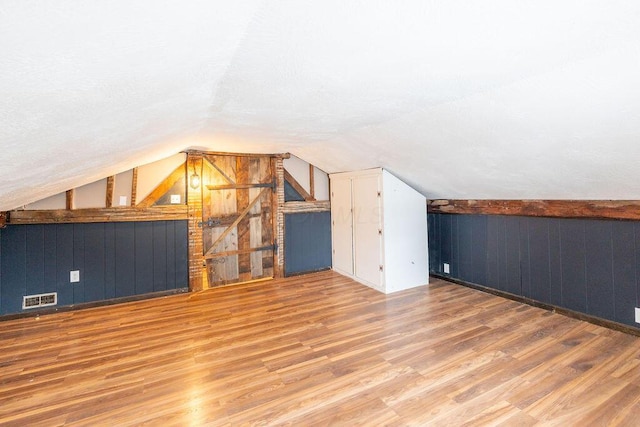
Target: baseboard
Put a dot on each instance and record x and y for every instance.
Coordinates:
(92, 304)
(535, 303)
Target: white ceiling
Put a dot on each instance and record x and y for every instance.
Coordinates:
(462, 99)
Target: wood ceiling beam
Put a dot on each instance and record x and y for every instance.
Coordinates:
(119, 214)
(603, 209)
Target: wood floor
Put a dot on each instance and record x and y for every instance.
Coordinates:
(317, 350)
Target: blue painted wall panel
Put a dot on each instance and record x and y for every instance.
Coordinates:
(34, 259)
(307, 242)
(599, 269)
(590, 266)
(114, 259)
(624, 269)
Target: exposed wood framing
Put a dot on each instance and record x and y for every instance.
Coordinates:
(296, 186)
(69, 199)
(312, 190)
(3, 219)
(134, 186)
(224, 153)
(161, 190)
(119, 214)
(220, 171)
(240, 186)
(241, 216)
(300, 207)
(238, 252)
(108, 201)
(197, 272)
(612, 209)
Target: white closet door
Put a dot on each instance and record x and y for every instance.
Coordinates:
(367, 219)
(342, 223)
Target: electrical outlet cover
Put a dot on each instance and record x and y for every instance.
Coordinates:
(74, 276)
(445, 267)
(175, 199)
(637, 315)
(123, 200)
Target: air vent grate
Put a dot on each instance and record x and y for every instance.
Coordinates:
(40, 300)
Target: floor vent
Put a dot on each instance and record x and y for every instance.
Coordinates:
(41, 300)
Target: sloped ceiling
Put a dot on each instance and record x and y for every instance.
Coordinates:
(462, 99)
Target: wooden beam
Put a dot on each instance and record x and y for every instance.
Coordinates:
(312, 190)
(296, 186)
(164, 186)
(117, 214)
(241, 186)
(3, 219)
(69, 199)
(302, 207)
(238, 252)
(223, 153)
(604, 209)
(108, 202)
(134, 185)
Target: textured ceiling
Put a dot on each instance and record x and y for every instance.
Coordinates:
(462, 99)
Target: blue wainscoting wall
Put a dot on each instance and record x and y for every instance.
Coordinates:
(114, 259)
(585, 265)
(307, 240)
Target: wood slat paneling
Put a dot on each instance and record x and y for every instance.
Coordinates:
(114, 260)
(586, 265)
(318, 349)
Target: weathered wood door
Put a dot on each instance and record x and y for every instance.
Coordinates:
(237, 218)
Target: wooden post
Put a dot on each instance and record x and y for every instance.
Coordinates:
(134, 186)
(312, 190)
(108, 202)
(69, 199)
(242, 203)
(3, 219)
(194, 202)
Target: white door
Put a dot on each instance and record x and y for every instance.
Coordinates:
(367, 220)
(342, 225)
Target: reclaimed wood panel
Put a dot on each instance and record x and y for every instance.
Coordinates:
(239, 203)
(275, 353)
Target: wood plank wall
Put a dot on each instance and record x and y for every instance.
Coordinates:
(114, 259)
(585, 265)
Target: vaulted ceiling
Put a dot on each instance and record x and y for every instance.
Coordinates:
(462, 99)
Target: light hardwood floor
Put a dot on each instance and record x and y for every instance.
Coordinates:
(317, 350)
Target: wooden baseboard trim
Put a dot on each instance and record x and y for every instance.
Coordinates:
(93, 304)
(621, 327)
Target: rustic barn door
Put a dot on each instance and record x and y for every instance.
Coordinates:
(237, 218)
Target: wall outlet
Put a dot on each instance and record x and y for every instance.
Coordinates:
(175, 199)
(123, 200)
(74, 276)
(445, 268)
(637, 315)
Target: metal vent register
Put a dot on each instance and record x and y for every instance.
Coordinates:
(40, 300)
